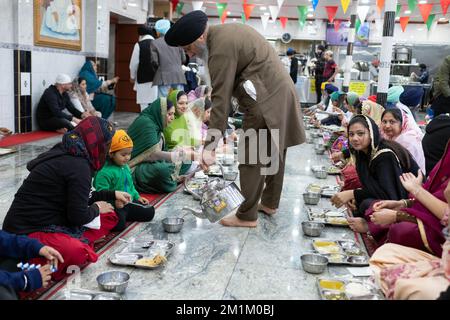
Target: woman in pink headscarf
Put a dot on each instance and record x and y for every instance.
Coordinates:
(397, 126)
(199, 92)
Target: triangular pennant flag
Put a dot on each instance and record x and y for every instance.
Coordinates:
(362, 12)
(412, 5)
(399, 7)
(280, 3)
(425, 10)
(315, 3)
(283, 21)
(337, 25)
(243, 18)
(331, 12)
(264, 21)
(380, 5)
(357, 25)
(445, 4)
(430, 20)
(345, 4)
(197, 5)
(302, 14)
(180, 8)
(174, 4)
(224, 16)
(274, 10)
(404, 22)
(248, 8)
(221, 8)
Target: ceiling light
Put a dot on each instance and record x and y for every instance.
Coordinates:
(310, 9)
(365, 1)
(266, 14)
(397, 18)
(263, 8)
(132, 4)
(310, 15)
(408, 12)
(443, 19)
(423, 1)
(229, 13)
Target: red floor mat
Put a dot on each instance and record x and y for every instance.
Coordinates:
(21, 138)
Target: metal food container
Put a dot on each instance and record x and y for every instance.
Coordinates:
(312, 229)
(321, 174)
(311, 198)
(314, 263)
(113, 281)
(172, 225)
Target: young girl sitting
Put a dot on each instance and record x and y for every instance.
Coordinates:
(116, 175)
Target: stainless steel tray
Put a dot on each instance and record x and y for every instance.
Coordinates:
(328, 217)
(333, 170)
(347, 289)
(84, 294)
(142, 249)
(341, 252)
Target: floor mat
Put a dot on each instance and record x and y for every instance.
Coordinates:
(21, 138)
(100, 247)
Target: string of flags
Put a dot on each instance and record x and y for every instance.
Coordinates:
(425, 11)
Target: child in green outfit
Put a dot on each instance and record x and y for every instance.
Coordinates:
(116, 175)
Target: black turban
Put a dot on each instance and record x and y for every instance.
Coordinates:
(143, 30)
(187, 29)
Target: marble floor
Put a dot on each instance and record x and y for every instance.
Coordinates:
(210, 261)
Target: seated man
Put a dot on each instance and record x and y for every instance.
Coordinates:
(12, 280)
(50, 114)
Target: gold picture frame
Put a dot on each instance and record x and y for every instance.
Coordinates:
(58, 24)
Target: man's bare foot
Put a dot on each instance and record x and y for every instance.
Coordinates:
(234, 221)
(266, 210)
(358, 225)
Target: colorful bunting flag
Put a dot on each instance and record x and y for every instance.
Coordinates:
(264, 21)
(345, 4)
(380, 5)
(315, 3)
(274, 10)
(174, 4)
(248, 8)
(180, 8)
(357, 25)
(221, 9)
(331, 12)
(283, 21)
(302, 14)
(362, 12)
(404, 22)
(430, 21)
(197, 5)
(243, 18)
(425, 10)
(445, 4)
(399, 7)
(280, 3)
(412, 5)
(337, 25)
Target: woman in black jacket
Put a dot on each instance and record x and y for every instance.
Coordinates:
(379, 164)
(55, 201)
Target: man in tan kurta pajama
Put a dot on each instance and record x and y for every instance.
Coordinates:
(236, 53)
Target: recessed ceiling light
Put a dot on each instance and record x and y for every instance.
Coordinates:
(420, 29)
(397, 18)
(234, 19)
(423, 1)
(408, 12)
(310, 15)
(266, 14)
(229, 13)
(263, 8)
(365, 1)
(442, 19)
(310, 9)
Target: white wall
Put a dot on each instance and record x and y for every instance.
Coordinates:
(7, 19)
(7, 88)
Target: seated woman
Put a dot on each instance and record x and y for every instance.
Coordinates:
(422, 229)
(379, 164)
(396, 126)
(337, 100)
(185, 131)
(437, 134)
(55, 201)
(155, 169)
(102, 101)
(408, 273)
(116, 175)
(179, 100)
(80, 98)
(372, 109)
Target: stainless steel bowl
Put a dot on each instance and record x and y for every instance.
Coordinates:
(320, 150)
(113, 281)
(314, 263)
(230, 175)
(311, 198)
(321, 174)
(173, 225)
(312, 229)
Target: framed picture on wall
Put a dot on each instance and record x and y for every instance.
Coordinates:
(57, 23)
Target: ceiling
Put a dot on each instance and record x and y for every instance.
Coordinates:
(289, 8)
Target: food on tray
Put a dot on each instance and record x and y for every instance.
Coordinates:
(151, 262)
(354, 252)
(357, 289)
(332, 285)
(325, 247)
(333, 170)
(342, 221)
(314, 188)
(336, 258)
(335, 296)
